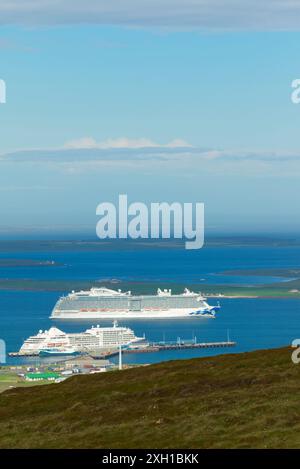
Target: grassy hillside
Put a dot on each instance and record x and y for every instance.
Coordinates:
(239, 400)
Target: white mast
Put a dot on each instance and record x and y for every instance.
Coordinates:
(120, 357)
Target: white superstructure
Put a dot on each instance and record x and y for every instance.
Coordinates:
(92, 339)
(53, 338)
(106, 303)
(103, 337)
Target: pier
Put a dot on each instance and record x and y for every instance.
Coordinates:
(152, 347)
(164, 346)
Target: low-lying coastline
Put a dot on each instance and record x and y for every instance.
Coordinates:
(286, 289)
(28, 263)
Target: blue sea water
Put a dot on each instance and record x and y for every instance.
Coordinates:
(252, 323)
(173, 264)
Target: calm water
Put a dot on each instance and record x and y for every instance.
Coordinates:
(175, 265)
(253, 323)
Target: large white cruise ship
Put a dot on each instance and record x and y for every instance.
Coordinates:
(106, 304)
(54, 341)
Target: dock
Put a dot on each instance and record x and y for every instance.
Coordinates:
(152, 347)
(182, 346)
(161, 347)
(17, 354)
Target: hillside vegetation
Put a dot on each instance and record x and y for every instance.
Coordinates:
(246, 400)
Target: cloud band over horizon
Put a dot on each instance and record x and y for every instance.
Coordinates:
(143, 154)
(206, 15)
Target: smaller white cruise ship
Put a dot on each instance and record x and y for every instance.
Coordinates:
(56, 342)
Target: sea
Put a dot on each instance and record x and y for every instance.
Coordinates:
(253, 323)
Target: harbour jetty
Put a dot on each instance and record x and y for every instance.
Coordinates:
(164, 346)
(151, 347)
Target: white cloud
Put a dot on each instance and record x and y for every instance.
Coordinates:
(143, 155)
(123, 142)
(200, 14)
(26, 188)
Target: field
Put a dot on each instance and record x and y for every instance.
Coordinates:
(246, 400)
(10, 379)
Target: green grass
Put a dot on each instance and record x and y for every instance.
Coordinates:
(270, 291)
(10, 379)
(232, 401)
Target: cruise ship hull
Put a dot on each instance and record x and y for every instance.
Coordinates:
(149, 314)
(57, 353)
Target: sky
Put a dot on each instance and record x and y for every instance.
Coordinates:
(163, 101)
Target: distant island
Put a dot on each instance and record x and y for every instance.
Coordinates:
(288, 273)
(27, 263)
(286, 289)
(94, 244)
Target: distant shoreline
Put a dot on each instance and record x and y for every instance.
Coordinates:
(28, 263)
(15, 244)
(280, 290)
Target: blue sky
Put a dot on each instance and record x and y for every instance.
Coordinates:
(179, 113)
(65, 83)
